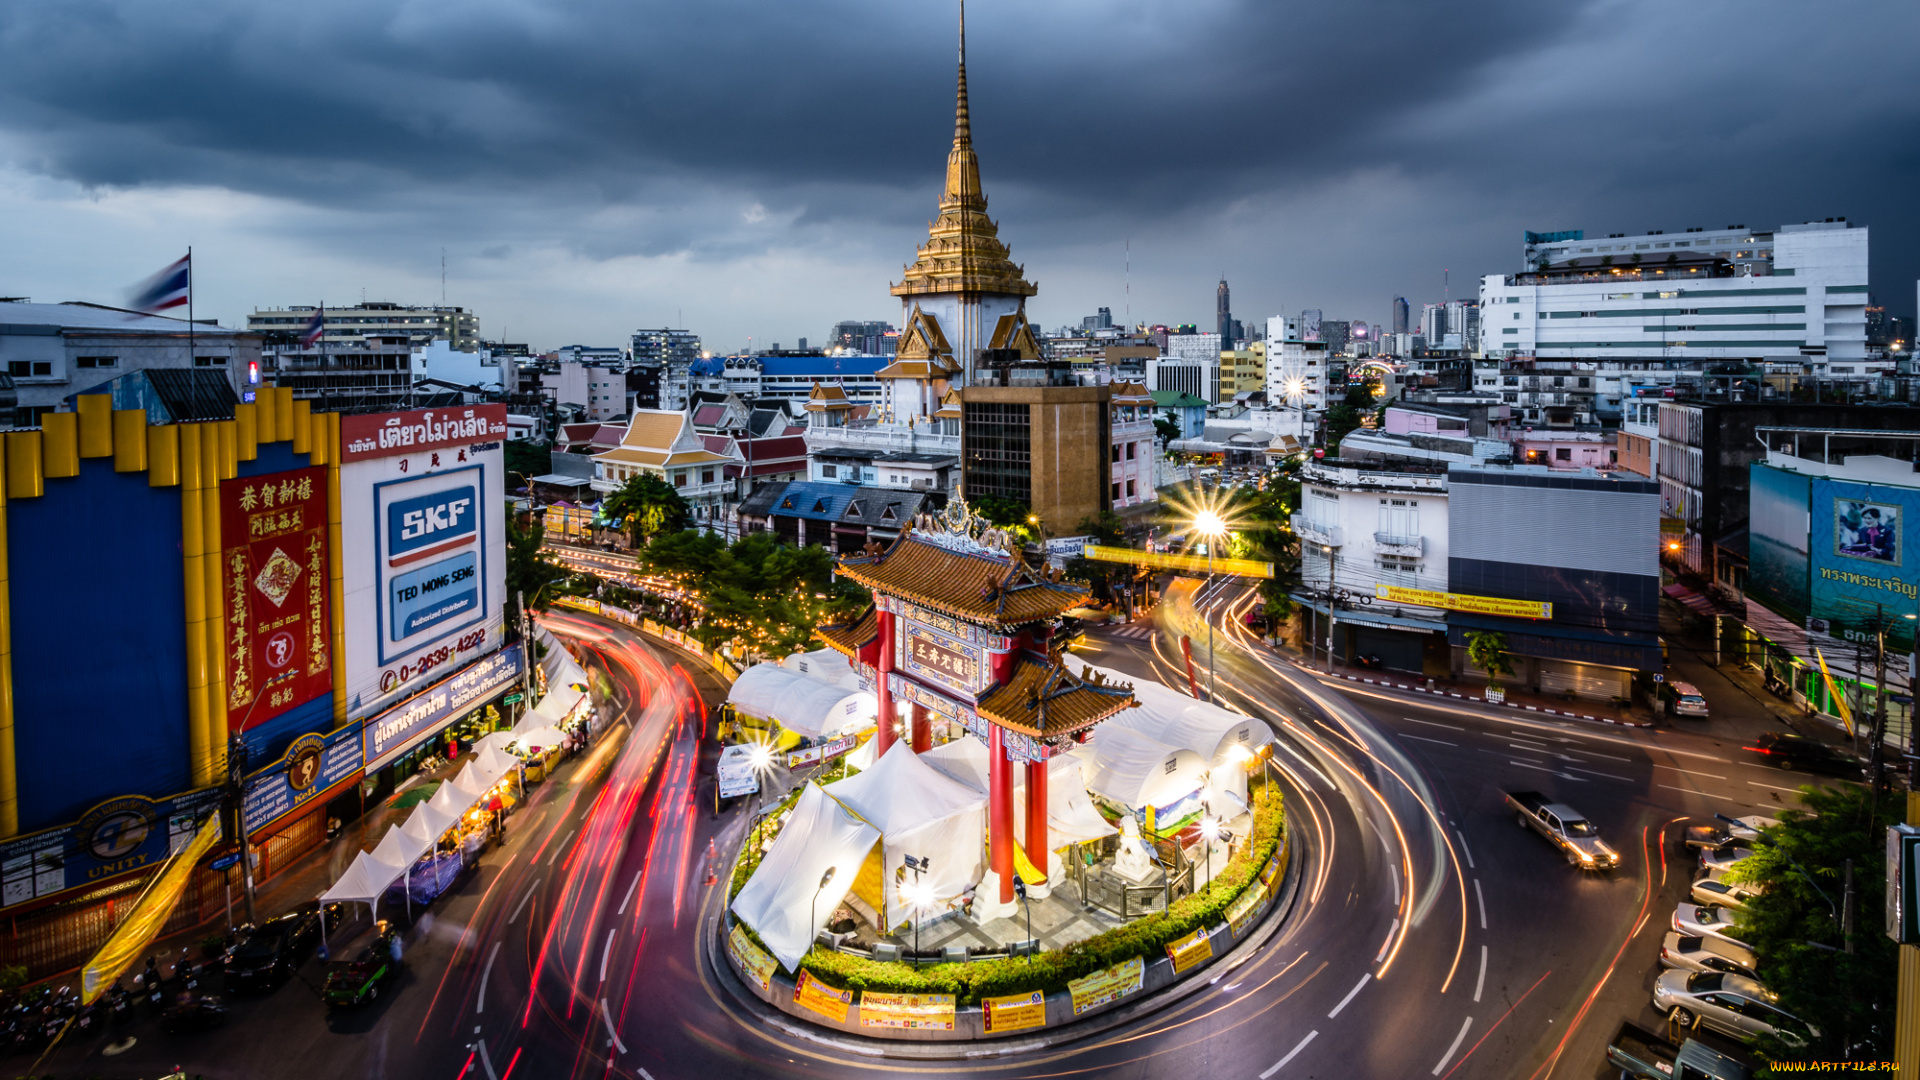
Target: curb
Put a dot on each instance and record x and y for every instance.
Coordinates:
(711, 945)
(1478, 701)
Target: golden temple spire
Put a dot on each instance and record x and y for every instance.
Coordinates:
(962, 130)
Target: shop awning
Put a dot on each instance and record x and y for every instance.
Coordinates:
(789, 897)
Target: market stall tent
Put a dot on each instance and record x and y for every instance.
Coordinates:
(919, 812)
(824, 665)
(803, 705)
(364, 882)
(1135, 771)
(784, 901)
(863, 755)
(1071, 816)
(1224, 739)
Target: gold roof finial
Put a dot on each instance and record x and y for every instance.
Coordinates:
(962, 130)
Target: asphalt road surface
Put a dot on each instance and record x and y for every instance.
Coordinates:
(1431, 936)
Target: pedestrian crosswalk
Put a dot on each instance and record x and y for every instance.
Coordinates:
(1135, 631)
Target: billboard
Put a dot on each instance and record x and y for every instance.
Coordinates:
(422, 499)
(404, 726)
(1832, 555)
(116, 837)
(274, 585)
(314, 767)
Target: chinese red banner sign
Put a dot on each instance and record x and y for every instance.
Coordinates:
(274, 594)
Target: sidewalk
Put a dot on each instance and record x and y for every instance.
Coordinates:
(1739, 705)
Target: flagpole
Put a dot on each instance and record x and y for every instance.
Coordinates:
(191, 359)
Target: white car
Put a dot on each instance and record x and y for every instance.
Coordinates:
(1722, 858)
(1716, 890)
(1705, 920)
(1689, 953)
(1732, 1004)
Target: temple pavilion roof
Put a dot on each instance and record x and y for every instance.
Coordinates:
(1047, 700)
(851, 637)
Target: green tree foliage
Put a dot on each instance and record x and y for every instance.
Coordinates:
(768, 593)
(1266, 534)
(1103, 577)
(528, 459)
(1794, 931)
(529, 572)
(1167, 427)
(1352, 410)
(1487, 649)
(648, 506)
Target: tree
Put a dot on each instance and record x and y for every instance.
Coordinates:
(1487, 649)
(1795, 925)
(1005, 513)
(647, 506)
(1104, 528)
(1168, 427)
(1350, 413)
(529, 572)
(527, 459)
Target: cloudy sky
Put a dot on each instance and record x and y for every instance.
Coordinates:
(753, 169)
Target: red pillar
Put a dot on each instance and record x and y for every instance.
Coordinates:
(885, 691)
(1037, 814)
(922, 729)
(1000, 814)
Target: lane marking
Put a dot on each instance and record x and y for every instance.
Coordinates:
(1687, 790)
(1689, 772)
(1757, 783)
(630, 888)
(1480, 983)
(1538, 749)
(1464, 848)
(535, 887)
(563, 846)
(1357, 987)
(1423, 738)
(1592, 772)
(607, 952)
(607, 1015)
(1385, 945)
(1451, 1050)
(480, 1001)
(1291, 1054)
(1395, 874)
(1481, 897)
(487, 1063)
(1435, 723)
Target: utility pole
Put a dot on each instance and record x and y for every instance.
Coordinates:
(1877, 757)
(235, 793)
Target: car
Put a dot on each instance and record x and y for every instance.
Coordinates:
(272, 952)
(1715, 889)
(357, 981)
(1704, 920)
(1788, 751)
(1690, 952)
(1684, 700)
(1730, 1004)
(1724, 857)
(1730, 830)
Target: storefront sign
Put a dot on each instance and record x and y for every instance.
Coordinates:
(1108, 984)
(824, 752)
(1189, 951)
(942, 658)
(387, 434)
(810, 993)
(911, 1012)
(313, 767)
(1014, 1012)
(393, 732)
(754, 961)
(1479, 605)
(119, 836)
(274, 593)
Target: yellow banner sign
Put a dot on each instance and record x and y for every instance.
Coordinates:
(1241, 911)
(754, 961)
(1479, 605)
(148, 916)
(918, 1012)
(1014, 1012)
(1190, 950)
(810, 993)
(1169, 560)
(1107, 984)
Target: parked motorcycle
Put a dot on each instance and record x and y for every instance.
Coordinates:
(1370, 661)
(193, 1012)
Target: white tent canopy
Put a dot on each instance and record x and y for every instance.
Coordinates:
(803, 705)
(1071, 817)
(784, 901)
(542, 737)
(1137, 771)
(552, 709)
(427, 824)
(965, 760)
(824, 665)
(919, 812)
(1224, 739)
(863, 756)
(364, 882)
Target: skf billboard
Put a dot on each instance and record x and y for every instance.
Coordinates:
(422, 499)
(274, 587)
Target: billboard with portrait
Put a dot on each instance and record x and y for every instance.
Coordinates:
(422, 500)
(1862, 577)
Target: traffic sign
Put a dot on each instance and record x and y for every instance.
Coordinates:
(231, 858)
(513, 699)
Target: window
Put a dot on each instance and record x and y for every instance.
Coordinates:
(831, 472)
(1129, 489)
(1116, 452)
(1585, 382)
(1563, 453)
(209, 361)
(29, 369)
(1116, 493)
(679, 479)
(706, 476)
(97, 361)
(1130, 448)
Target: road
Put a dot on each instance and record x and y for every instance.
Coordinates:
(1431, 938)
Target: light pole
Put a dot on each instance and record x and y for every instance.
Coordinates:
(813, 910)
(1020, 890)
(919, 899)
(1210, 524)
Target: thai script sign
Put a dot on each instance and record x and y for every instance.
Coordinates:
(1014, 1012)
(1168, 560)
(1108, 984)
(1479, 605)
(274, 593)
(810, 993)
(912, 1012)
(1189, 951)
(824, 752)
(392, 732)
(386, 434)
(313, 767)
(754, 961)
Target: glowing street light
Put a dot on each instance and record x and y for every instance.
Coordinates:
(1210, 524)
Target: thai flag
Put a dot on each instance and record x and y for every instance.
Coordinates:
(315, 326)
(170, 288)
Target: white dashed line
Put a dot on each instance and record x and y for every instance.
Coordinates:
(1423, 738)
(1464, 848)
(1457, 1040)
(1689, 772)
(1291, 1054)
(1479, 896)
(607, 1015)
(1480, 983)
(480, 1000)
(1357, 987)
(629, 897)
(524, 901)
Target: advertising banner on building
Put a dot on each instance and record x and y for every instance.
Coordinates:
(117, 837)
(1190, 950)
(1831, 556)
(400, 728)
(1479, 605)
(811, 993)
(754, 961)
(423, 507)
(314, 767)
(274, 593)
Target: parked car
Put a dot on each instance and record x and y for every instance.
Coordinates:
(1724, 857)
(1683, 699)
(1704, 920)
(1689, 952)
(1716, 890)
(272, 952)
(1731, 1004)
(1788, 751)
(1639, 1054)
(1727, 832)
(1565, 828)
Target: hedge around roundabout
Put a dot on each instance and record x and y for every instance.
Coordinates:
(1049, 972)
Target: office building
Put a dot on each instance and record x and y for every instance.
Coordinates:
(876, 338)
(51, 351)
(1796, 294)
(1033, 435)
(352, 325)
(1398, 319)
(663, 347)
(1197, 377)
(1223, 315)
(1103, 320)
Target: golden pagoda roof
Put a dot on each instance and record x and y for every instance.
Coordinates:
(1047, 700)
(980, 589)
(827, 396)
(850, 638)
(950, 406)
(963, 252)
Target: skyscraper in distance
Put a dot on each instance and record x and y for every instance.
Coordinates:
(1400, 313)
(1223, 314)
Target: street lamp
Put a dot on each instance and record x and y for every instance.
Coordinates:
(1020, 890)
(919, 898)
(1210, 524)
(1209, 832)
(813, 911)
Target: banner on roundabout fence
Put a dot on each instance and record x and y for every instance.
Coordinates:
(1190, 950)
(1108, 984)
(915, 1012)
(1014, 1012)
(754, 961)
(810, 993)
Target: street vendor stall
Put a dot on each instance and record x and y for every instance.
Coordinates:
(800, 704)
(921, 813)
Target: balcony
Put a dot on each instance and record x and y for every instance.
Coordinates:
(1312, 532)
(1391, 544)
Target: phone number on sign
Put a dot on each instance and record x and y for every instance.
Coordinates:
(394, 677)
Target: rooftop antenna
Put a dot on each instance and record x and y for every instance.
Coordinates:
(1129, 285)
